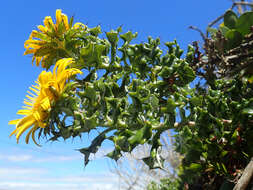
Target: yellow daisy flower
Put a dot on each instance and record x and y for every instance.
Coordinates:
(41, 96)
(44, 42)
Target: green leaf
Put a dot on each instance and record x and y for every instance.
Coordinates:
(65, 133)
(165, 72)
(45, 50)
(92, 55)
(224, 30)
(93, 148)
(71, 22)
(115, 155)
(250, 79)
(224, 168)
(196, 101)
(112, 37)
(171, 105)
(154, 101)
(95, 31)
(230, 19)
(141, 135)
(234, 38)
(224, 153)
(121, 143)
(248, 111)
(128, 36)
(186, 73)
(244, 22)
(89, 92)
(194, 167)
(234, 135)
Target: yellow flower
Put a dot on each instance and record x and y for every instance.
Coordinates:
(44, 42)
(41, 96)
(222, 25)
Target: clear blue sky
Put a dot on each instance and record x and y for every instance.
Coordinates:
(58, 165)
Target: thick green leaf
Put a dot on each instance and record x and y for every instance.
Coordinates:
(166, 72)
(230, 19)
(121, 143)
(93, 148)
(112, 37)
(115, 155)
(186, 73)
(141, 135)
(244, 22)
(196, 101)
(92, 55)
(234, 38)
(95, 31)
(224, 30)
(128, 36)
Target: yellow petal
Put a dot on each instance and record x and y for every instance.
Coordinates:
(31, 94)
(79, 25)
(43, 28)
(24, 112)
(45, 77)
(23, 125)
(33, 44)
(14, 122)
(37, 116)
(30, 51)
(14, 132)
(33, 59)
(34, 90)
(30, 98)
(48, 22)
(58, 17)
(27, 107)
(36, 86)
(33, 34)
(63, 63)
(65, 21)
(45, 104)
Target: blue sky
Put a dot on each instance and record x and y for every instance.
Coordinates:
(58, 165)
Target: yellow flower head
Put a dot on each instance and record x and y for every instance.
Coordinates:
(44, 42)
(41, 96)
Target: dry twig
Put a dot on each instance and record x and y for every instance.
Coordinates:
(246, 177)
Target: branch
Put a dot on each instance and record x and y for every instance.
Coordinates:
(242, 3)
(246, 177)
(234, 4)
(216, 20)
(198, 30)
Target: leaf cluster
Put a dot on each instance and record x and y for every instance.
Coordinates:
(129, 94)
(218, 148)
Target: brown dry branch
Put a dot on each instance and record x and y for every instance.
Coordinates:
(246, 177)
